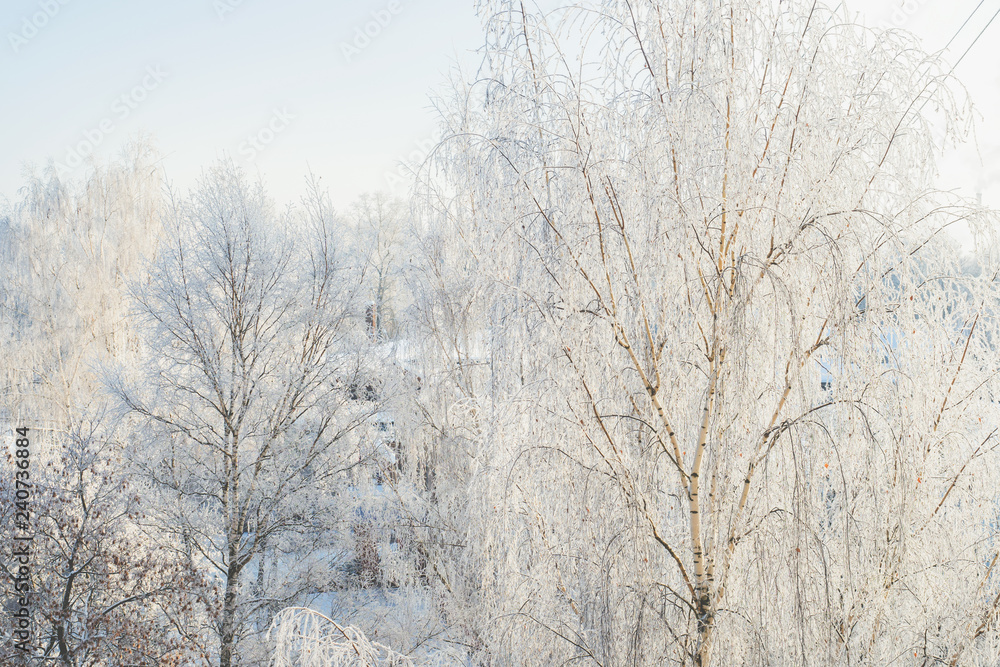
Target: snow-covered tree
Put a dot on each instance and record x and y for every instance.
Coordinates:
(741, 402)
(68, 250)
(449, 351)
(103, 592)
(305, 638)
(252, 342)
(100, 589)
(380, 223)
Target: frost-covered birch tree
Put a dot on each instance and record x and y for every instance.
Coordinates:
(379, 226)
(251, 342)
(742, 405)
(450, 351)
(100, 587)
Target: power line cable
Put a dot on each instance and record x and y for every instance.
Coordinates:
(966, 52)
(964, 23)
(969, 48)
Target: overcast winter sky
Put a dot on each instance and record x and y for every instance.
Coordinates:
(202, 76)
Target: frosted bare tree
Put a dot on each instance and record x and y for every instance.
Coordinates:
(305, 638)
(379, 231)
(742, 405)
(448, 355)
(251, 343)
(68, 249)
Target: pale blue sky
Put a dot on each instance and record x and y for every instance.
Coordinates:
(224, 78)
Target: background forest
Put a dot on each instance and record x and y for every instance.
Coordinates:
(672, 356)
